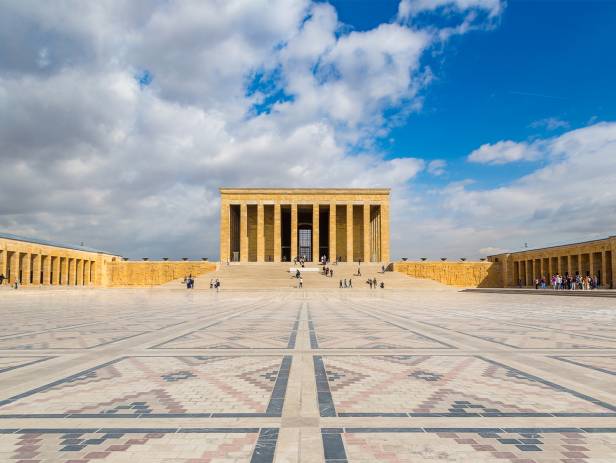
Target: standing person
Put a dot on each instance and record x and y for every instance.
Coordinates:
(358, 271)
(350, 283)
(1, 278)
(301, 282)
(340, 283)
(374, 282)
(331, 273)
(345, 283)
(370, 283)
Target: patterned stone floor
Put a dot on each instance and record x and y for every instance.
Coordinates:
(328, 377)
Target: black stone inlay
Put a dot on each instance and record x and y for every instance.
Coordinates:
(274, 408)
(3, 370)
(333, 447)
(573, 362)
(265, 447)
(326, 401)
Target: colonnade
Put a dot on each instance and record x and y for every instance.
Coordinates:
(593, 263)
(276, 231)
(46, 268)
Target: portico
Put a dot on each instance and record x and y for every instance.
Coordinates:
(278, 225)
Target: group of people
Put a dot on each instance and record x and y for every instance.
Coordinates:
(328, 272)
(14, 285)
(571, 282)
(373, 283)
(215, 284)
(189, 281)
(343, 283)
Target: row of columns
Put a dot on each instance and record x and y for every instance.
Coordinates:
(370, 248)
(600, 263)
(45, 269)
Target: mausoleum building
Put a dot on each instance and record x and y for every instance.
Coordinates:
(279, 225)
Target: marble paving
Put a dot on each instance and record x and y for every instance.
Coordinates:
(393, 376)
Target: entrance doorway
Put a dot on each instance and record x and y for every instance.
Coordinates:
(305, 243)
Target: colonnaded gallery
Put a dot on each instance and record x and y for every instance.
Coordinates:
(271, 226)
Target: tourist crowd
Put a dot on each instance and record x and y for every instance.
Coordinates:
(570, 282)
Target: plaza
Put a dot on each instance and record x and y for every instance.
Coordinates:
(424, 375)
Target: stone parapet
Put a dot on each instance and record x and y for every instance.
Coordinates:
(461, 274)
(153, 273)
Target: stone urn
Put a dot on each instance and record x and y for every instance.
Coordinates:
(146, 258)
(165, 259)
(184, 258)
(443, 259)
(404, 259)
(204, 259)
(463, 259)
(423, 259)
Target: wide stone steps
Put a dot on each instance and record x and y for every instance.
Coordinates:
(255, 276)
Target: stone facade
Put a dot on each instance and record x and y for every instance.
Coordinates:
(276, 225)
(595, 258)
(38, 262)
(462, 274)
(153, 273)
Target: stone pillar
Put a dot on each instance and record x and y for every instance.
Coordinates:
(366, 251)
(591, 263)
(25, 273)
(613, 282)
(86, 273)
(3, 262)
(316, 254)
(14, 267)
(243, 232)
(224, 231)
(277, 245)
(332, 231)
(604, 283)
(79, 277)
(56, 270)
(349, 231)
(260, 233)
(569, 271)
(36, 270)
(71, 272)
(294, 231)
(385, 232)
(47, 270)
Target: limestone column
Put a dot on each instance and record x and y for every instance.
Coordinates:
(25, 273)
(14, 267)
(3, 262)
(260, 233)
(366, 251)
(316, 254)
(55, 269)
(243, 232)
(385, 232)
(294, 253)
(224, 231)
(277, 246)
(332, 232)
(569, 260)
(349, 232)
(604, 271)
(71, 272)
(591, 263)
(36, 270)
(79, 278)
(86, 273)
(47, 270)
(613, 282)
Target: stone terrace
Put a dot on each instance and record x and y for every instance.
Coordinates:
(168, 375)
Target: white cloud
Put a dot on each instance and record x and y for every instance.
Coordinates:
(504, 152)
(437, 167)
(550, 123)
(409, 8)
(570, 198)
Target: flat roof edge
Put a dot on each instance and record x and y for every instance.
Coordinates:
(555, 246)
(41, 242)
(302, 190)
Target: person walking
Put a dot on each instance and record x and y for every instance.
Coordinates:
(1, 278)
(350, 283)
(301, 282)
(340, 283)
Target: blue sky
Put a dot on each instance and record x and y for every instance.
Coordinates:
(493, 122)
(488, 83)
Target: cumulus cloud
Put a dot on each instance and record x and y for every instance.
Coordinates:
(504, 152)
(550, 123)
(120, 120)
(408, 8)
(437, 167)
(568, 199)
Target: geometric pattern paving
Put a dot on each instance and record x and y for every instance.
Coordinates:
(130, 445)
(11, 363)
(81, 339)
(168, 375)
(419, 445)
(442, 386)
(604, 364)
(162, 386)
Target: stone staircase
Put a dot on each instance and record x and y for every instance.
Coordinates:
(262, 276)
